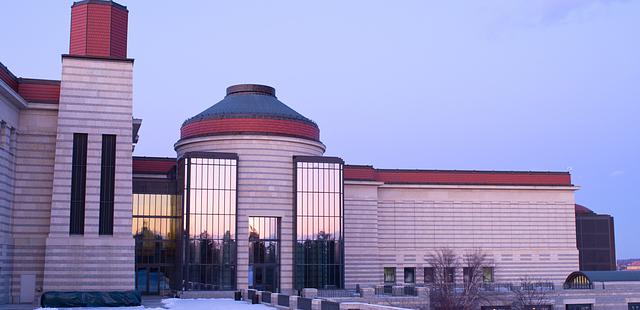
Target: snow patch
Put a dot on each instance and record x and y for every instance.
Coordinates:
(189, 304)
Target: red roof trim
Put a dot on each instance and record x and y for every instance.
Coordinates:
(37, 90)
(457, 177)
(153, 165)
(285, 127)
(8, 77)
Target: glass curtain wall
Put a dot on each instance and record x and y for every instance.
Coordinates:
(319, 248)
(264, 253)
(155, 230)
(209, 225)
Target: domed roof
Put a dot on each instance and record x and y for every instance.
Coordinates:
(250, 109)
(250, 101)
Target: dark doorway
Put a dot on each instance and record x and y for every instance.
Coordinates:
(264, 253)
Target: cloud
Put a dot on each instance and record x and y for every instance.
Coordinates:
(527, 13)
(555, 10)
(616, 173)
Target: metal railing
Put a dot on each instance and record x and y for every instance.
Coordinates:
(304, 303)
(406, 290)
(499, 287)
(329, 305)
(283, 300)
(326, 293)
(265, 296)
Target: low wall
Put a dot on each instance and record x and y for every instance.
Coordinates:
(282, 301)
(205, 294)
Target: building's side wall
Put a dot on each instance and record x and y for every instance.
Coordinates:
(32, 200)
(265, 188)
(361, 263)
(525, 232)
(95, 98)
(9, 114)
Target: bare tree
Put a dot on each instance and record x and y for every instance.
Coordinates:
(531, 294)
(445, 294)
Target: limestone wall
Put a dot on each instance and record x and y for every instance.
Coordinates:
(95, 98)
(9, 121)
(526, 231)
(33, 188)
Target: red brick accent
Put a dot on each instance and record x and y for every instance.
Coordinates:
(153, 165)
(457, 177)
(250, 125)
(98, 28)
(41, 91)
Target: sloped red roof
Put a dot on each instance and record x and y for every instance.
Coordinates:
(8, 77)
(37, 90)
(153, 165)
(457, 177)
(580, 209)
(32, 90)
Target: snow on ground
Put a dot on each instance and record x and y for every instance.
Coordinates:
(190, 304)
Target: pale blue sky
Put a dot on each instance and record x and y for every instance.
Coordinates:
(491, 85)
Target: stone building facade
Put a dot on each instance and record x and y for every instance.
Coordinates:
(249, 200)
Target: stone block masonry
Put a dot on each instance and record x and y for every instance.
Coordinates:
(92, 262)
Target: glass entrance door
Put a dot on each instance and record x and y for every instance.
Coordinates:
(264, 253)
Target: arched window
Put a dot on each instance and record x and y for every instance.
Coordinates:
(578, 280)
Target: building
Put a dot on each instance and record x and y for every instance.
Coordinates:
(66, 159)
(332, 224)
(249, 200)
(595, 240)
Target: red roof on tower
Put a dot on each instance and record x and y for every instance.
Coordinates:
(98, 29)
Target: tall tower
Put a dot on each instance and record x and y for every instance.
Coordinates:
(89, 246)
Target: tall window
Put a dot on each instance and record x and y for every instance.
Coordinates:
(155, 230)
(450, 274)
(3, 133)
(634, 306)
(107, 184)
(78, 183)
(487, 274)
(264, 253)
(409, 275)
(319, 241)
(210, 220)
(428, 274)
(389, 275)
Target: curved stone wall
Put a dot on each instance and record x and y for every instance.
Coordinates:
(265, 187)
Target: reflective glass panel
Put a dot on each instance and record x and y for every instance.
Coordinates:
(319, 240)
(210, 213)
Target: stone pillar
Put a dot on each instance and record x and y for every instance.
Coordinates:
(316, 304)
(274, 298)
(367, 292)
(309, 292)
(95, 99)
(293, 302)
